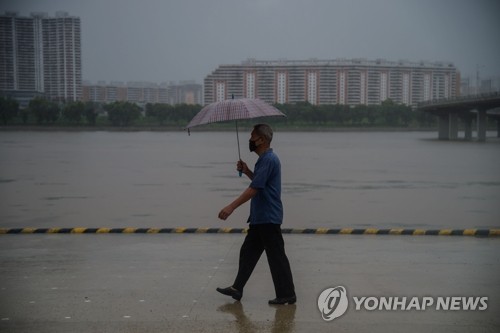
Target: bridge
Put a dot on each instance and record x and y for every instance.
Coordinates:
(466, 109)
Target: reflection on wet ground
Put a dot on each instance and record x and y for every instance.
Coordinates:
(284, 318)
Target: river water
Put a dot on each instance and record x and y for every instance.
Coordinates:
(170, 179)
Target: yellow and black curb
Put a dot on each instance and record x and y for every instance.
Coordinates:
(318, 231)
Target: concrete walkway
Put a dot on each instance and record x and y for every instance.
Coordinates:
(166, 283)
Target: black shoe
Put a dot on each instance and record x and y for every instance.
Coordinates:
(283, 300)
(230, 291)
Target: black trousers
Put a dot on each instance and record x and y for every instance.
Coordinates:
(260, 238)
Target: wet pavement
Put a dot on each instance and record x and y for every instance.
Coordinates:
(166, 283)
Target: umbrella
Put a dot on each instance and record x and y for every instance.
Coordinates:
(234, 109)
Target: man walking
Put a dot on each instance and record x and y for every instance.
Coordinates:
(266, 216)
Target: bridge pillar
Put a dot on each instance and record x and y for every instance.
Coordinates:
(481, 125)
(453, 126)
(444, 126)
(467, 117)
(468, 128)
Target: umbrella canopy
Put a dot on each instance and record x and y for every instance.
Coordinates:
(234, 109)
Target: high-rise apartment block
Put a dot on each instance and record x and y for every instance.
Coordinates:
(186, 92)
(41, 54)
(339, 81)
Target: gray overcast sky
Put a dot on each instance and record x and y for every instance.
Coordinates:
(172, 40)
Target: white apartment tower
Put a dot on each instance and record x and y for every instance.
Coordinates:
(41, 54)
(339, 81)
(281, 87)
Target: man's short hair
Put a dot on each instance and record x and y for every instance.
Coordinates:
(265, 131)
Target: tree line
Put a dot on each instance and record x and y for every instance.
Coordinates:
(41, 112)
(387, 114)
(123, 114)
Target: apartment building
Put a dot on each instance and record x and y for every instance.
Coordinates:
(339, 81)
(41, 55)
(185, 92)
(143, 92)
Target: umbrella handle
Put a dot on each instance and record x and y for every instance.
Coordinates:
(240, 172)
(238, 140)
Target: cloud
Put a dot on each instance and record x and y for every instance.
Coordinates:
(175, 40)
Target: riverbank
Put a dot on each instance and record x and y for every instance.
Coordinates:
(205, 129)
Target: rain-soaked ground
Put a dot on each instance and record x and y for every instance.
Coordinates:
(166, 283)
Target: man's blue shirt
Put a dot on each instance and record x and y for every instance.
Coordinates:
(266, 206)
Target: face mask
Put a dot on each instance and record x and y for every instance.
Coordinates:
(251, 145)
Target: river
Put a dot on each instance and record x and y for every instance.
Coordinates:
(170, 179)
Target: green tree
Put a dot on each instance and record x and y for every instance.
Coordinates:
(390, 112)
(44, 110)
(183, 113)
(358, 114)
(73, 112)
(341, 114)
(371, 114)
(406, 115)
(9, 109)
(90, 112)
(25, 114)
(292, 112)
(163, 112)
(122, 113)
(150, 110)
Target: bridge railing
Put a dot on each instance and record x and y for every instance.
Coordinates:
(440, 101)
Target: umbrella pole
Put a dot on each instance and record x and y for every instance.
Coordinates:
(238, 140)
